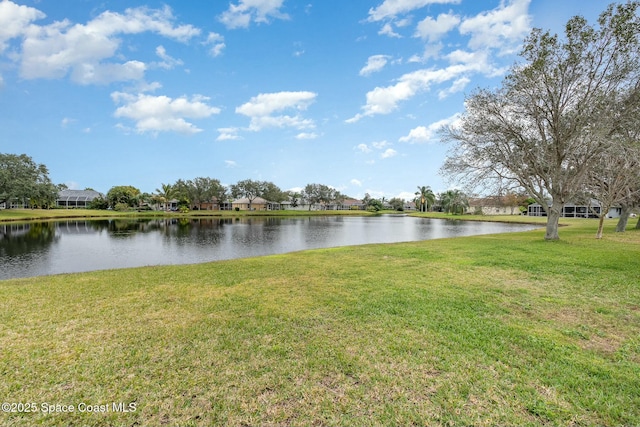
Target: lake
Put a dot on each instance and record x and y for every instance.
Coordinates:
(42, 248)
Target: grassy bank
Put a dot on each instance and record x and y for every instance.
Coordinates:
(487, 330)
(10, 215)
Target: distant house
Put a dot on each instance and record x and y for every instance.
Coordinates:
(257, 204)
(211, 205)
(493, 205)
(571, 210)
(76, 198)
(300, 205)
(351, 204)
(14, 204)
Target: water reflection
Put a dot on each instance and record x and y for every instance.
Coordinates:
(83, 245)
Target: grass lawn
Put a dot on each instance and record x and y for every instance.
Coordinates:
(488, 330)
(7, 215)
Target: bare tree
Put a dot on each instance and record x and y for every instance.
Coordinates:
(545, 128)
(614, 179)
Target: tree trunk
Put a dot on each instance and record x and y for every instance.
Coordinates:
(624, 219)
(552, 222)
(638, 224)
(600, 227)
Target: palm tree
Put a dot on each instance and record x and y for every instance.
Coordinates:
(454, 202)
(425, 198)
(167, 193)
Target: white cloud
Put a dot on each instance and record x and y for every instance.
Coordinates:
(433, 29)
(374, 63)
(228, 134)
(406, 196)
(356, 182)
(457, 86)
(431, 50)
(364, 148)
(422, 134)
(67, 121)
(503, 28)
(168, 62)
(262, 107)
(231, 163)
(14, 20)
(380, 145)
(72, 185)
(387, 30)
(216, 41)
(143, 86)
(391, 8)
(307, 135)
(419, 134)
(54, 50)
(161, 113)
(241, 15)
(384, 100)
(388, 153)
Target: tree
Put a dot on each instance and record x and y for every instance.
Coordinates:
(273, 193)
(295, 198)
(23, 180)
(249, 189)
(545, 127)
(367, 199)
(165, 193)
(123, 195)
(627, 205)
(374, 205)
(336, 196)
(207, 189)
(425, 198)
(397, 204)
(454, 201)
(321, 194)
(614, 178)
(315, 193)
(99, 203)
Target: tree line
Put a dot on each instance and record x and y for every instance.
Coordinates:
(194, 193)
(24, 181)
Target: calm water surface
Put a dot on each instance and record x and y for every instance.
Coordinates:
(37, 249)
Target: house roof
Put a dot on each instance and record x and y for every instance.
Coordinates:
(256, 201)
(352, 202)
(79, 195)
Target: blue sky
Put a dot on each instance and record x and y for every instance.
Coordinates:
(343, 93)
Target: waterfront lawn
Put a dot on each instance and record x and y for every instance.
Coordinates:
(488, 330)
(7, 215)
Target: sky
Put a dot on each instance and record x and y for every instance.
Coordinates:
(348, 94)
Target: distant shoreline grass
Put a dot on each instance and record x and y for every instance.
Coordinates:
(489, 330)
(25, 215)
(12, 215)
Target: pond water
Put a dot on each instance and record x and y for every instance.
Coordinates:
(42, 248)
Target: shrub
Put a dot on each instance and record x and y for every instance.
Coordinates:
(121, 207)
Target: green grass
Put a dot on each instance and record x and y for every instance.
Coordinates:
(488, 330)
(7, 215)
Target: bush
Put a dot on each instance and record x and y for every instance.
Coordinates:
(121, 207)
(98, 203)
